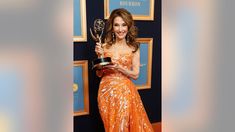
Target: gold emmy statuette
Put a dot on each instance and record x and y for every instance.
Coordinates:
(98, 29)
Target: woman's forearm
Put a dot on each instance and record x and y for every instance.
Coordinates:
(130, 73)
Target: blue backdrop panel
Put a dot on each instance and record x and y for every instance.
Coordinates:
(79, 94)
(143, 65)
(77, 18)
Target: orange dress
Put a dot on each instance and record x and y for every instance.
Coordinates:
(120, 105)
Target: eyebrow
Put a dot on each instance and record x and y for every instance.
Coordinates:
(121, 23)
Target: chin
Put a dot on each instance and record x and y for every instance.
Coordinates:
(120, 38)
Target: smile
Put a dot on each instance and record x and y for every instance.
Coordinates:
(122, 33)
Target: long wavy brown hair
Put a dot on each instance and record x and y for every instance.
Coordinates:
(132, 30)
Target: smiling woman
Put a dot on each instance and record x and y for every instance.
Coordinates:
(120, 28)
(117, 95)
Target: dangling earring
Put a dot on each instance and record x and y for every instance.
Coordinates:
(113, 36)
(127, 38)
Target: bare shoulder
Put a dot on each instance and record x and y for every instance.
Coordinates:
(137, 53)
(105, 47)
(134, 50)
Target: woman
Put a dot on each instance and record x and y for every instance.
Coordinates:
(119, 103)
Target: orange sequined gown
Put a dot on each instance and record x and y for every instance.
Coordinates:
(119, 102)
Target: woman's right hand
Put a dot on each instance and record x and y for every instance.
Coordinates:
(98, 49)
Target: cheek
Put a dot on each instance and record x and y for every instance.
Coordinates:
(126, 29)
(114, 29)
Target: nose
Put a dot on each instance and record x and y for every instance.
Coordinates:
(120, 28)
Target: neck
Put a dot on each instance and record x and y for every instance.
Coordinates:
(123, 41)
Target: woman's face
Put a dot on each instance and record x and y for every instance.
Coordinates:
(120, 28)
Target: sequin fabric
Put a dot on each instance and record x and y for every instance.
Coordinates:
(120, 105)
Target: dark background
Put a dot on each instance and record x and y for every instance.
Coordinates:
(85, 51)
